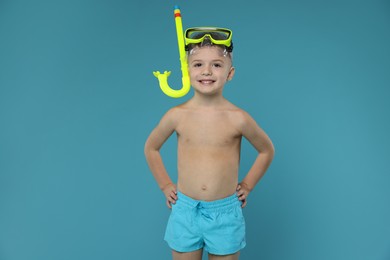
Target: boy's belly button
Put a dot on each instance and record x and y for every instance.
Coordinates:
(204, 187)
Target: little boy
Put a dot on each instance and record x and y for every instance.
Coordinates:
(208, 200)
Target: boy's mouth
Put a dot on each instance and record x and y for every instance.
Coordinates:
(206, 81)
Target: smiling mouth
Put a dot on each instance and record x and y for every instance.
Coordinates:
(208, 81)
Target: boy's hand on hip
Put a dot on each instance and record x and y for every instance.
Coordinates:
(170, 193)
(242, 193)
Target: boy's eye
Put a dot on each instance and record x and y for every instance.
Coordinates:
(197, 64)
(217, 65)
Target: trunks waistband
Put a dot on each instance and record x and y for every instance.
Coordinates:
(228, 202)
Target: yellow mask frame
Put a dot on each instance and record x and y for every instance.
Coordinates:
(218, 36)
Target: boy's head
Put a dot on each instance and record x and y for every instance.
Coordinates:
(198, 37)
(209, 56)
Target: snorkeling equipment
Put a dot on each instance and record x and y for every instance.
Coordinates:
(193, 36)
(215, 35)
(163, 78)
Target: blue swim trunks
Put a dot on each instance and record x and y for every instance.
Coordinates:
(217, 226)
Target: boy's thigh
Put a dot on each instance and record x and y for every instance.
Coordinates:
(194, 255)
(224, 257)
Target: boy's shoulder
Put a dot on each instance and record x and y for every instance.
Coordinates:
(175, 112)
(235, 110)
(241, 117)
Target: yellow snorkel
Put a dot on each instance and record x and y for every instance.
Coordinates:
(163, 78)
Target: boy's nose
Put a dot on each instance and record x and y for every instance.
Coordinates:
(206, 70)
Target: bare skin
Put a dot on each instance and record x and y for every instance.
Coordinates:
(196, 255)
(209, 130)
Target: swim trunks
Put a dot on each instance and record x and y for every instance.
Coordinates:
(217, 226)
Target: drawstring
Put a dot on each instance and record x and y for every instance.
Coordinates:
(203, 211)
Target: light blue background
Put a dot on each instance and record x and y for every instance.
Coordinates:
(78, 99)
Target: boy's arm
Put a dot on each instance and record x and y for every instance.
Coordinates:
(153, 145)
(262, 143)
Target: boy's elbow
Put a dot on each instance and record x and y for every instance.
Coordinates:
(149, 148)
(270, 152)
(146, 151)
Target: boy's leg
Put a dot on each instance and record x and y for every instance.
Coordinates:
(195, 255)
(224, 257)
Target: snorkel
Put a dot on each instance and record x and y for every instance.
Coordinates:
(163, 78)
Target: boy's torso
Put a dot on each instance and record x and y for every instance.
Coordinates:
(209, 142)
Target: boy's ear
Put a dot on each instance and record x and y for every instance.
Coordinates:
(231, 73)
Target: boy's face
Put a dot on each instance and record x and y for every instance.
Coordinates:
(209, 69)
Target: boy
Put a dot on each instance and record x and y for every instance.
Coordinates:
(208, 200)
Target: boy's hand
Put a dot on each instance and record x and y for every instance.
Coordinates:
(242, 193)
(170, 193)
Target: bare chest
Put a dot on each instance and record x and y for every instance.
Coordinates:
(214, 129)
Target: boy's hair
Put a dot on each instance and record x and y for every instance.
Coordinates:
(224, 52)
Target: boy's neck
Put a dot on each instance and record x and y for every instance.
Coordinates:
(208, 101)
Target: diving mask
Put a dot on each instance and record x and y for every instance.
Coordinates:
(214, 35)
